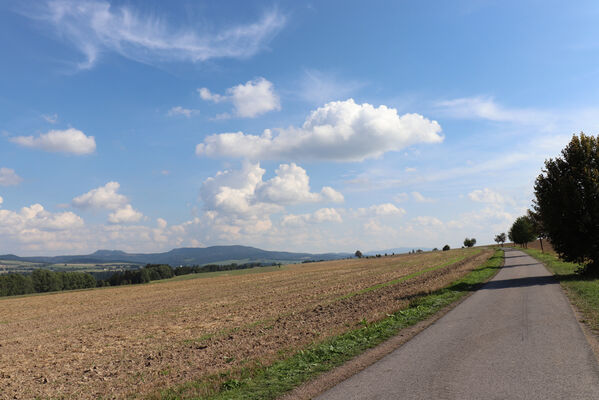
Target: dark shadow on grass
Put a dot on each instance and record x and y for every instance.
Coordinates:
(576, 277)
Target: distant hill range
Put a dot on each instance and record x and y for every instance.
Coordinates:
(183, 256)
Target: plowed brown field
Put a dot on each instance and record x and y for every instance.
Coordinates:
(128, 340)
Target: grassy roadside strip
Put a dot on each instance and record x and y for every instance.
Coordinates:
(272, 381)
(583, 291)
(413, 275)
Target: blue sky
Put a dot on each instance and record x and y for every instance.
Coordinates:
(322, 126)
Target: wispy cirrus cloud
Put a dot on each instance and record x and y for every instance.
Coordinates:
(420, 198)
(480, 107)
(50, 118)
(546, 120)
(178, 110)
(320, 87)
(97, 26)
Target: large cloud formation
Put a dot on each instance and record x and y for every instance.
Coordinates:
(338, 131)
(240, 201)
(106, 197)
(36, 230)
(36, 217)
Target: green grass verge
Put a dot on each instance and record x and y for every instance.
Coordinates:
(272, 381)
(582, 290)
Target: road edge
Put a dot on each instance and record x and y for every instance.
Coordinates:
(333, 377)
(592, 337)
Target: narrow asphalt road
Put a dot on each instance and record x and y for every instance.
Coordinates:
(516, 338)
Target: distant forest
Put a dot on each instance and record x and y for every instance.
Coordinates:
(41, 280)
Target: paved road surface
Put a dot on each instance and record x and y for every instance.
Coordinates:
(516, 338)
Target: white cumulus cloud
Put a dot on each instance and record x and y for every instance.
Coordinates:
(234, 191)
(66, 141)
(105, 197)
(206, 94)
(292, 185)
(125, 214)
(486, 195)
(240, 202)
(428, 221)
(97, 26)
(36, 217)
(339, 131)
(380, 210)
(319, 216)
(161, 223)
(8, 177)
(249, 100)
(244, 191)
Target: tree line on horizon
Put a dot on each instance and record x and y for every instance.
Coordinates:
(43, 280)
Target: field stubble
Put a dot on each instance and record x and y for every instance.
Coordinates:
(123, 341)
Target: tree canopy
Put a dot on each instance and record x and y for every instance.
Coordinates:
(469, 242)
(501, 238)
(567, 200)
(522, 231)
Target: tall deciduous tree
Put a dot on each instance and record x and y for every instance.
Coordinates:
(522, 231)
(501, 238)
(469, 242)
(567, 201)
(537, 226)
